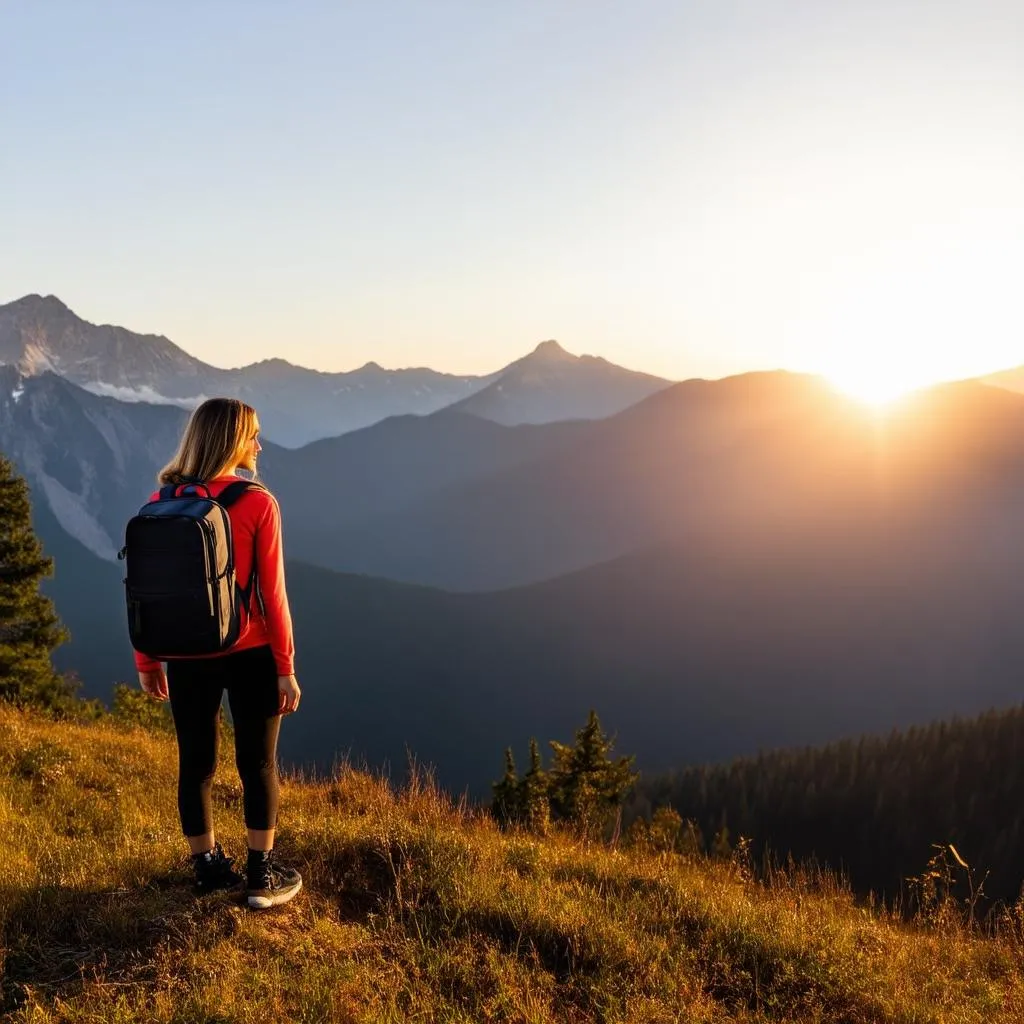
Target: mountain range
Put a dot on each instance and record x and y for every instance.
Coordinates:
(715, 566)
(726, 566)
(298, 405)
(740, 456)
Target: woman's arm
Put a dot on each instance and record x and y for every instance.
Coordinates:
(270, 574)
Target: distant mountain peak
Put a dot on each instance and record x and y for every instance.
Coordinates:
(551, 351)
(40, 303)
(274, 363)
(551, 384)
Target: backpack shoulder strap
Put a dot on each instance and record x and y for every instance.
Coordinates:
(227, 498)
(234, 491)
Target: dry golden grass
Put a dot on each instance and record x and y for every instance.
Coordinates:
(418, 910)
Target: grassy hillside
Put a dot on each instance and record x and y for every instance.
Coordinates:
(416, 909)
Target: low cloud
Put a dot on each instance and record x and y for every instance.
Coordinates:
(142, 394)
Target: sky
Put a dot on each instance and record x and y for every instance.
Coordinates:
(691, 189)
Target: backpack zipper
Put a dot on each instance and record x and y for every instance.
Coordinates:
(210, 548)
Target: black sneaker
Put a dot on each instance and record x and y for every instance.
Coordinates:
(214, 871)
(269, 884)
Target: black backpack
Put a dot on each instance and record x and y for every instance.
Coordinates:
(183, 597)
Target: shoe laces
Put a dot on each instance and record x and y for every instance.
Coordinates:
(266, 871)
(218, 863)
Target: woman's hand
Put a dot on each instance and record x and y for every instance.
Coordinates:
(288, 694)
(154, 683)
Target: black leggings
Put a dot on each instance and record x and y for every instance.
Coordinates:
(197, 688)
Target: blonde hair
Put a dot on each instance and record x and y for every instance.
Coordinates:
(214, 440)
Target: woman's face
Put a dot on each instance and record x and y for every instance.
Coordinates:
(251, 450)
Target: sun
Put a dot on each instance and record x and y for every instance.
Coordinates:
(918, 310)
(876, 386)
(879, 371)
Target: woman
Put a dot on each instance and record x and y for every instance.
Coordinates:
(222, 437)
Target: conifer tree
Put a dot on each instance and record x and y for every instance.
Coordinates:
(29, 627)
(534, 795)
(586, 785)
(507, 803)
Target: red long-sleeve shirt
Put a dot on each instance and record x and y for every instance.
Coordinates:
(254, 515)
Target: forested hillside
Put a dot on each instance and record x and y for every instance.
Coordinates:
(874, 807)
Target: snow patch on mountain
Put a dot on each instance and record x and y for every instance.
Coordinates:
(144, 394)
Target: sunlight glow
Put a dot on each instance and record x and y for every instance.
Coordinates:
(923, 311)
(873, 389)
(880, 372)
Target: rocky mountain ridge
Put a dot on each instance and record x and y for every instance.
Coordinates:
(298, 405)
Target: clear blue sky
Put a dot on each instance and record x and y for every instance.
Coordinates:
(689, 188)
